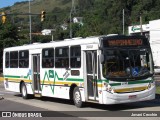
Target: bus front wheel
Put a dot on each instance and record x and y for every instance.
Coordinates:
(24, 91)
(77, 97)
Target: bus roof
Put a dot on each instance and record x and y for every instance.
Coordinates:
(65, 42)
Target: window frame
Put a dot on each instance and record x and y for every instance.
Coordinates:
(63, 60)
(7, 60)
(73, 51)
(24, 59)
(47, 58)
(13, 59)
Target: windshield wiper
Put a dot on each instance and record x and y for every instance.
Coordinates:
(143, 71)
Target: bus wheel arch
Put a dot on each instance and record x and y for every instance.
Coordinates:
(20, 86)
(71, 91)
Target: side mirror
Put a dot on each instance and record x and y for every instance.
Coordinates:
(101, 58)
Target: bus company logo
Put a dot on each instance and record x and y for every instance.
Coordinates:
(6, 114)
(65, 75)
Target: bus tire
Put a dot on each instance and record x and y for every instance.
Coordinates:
(24, 91)
(77, 97)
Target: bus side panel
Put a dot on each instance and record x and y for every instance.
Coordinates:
(29, 88)
(11, 86)
(13, 79)
(52, 84)
(57, 82)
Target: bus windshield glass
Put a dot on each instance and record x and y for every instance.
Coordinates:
(127, 63)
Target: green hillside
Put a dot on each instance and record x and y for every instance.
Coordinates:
(99, 16)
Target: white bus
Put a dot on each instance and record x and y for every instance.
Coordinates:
(156, 57)
(109, 69)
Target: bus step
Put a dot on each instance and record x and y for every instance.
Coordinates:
(37, 95)
(93, 101)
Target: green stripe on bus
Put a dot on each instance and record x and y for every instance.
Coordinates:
(136, 82)
(74, 79)
(132, 82)
(115, 84)
(11, 76)
(107, 81)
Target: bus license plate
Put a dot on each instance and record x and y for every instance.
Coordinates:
(132, 96)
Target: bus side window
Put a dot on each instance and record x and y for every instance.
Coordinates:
(14, 59)
(24, 59)
(48, 58)
(7, 60)
(75, 59)
(62, 57)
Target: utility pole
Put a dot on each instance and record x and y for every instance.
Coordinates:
(70, 31)
(73, 10)
(123, 21)
(30, 24)
(52, 31)
(141, 23)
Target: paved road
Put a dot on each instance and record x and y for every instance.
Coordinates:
(13, 110)
(59, 107)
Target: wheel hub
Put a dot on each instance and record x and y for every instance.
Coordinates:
(24, 91)
(77, 97)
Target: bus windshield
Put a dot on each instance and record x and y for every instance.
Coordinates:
(127, 63)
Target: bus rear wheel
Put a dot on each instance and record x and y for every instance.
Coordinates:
(77, 98)
(24, 91)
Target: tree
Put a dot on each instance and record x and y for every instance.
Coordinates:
(8, 37)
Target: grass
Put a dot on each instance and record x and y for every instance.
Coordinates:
(157, 89)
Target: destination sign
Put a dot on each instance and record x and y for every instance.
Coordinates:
(122, 42)
(129, 42)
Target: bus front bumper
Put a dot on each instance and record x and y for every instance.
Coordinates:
(118, 98)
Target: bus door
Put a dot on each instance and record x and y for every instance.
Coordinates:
(36, 74)
(91, 70)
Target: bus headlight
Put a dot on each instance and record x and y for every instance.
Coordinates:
(151, 84)
(108, 88)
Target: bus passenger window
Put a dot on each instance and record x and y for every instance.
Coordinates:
(75, 52)
(7, 60)
(62, 57)
(24, 59)
(48, 58)
(14, 59)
